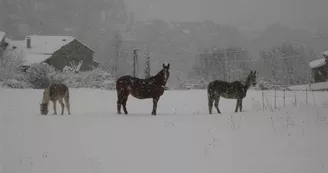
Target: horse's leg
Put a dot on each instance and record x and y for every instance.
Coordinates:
(237, 105)
(155, 101)
(124, 100)
(210, 103)
(216, 104)
(119, 101)
(62, 106)
(54, 106)
(240, 105)
(68, 107)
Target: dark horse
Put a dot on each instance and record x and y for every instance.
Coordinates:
(230, 90)
(153, 87)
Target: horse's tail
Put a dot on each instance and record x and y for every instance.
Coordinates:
(67, 93)
(209, 89)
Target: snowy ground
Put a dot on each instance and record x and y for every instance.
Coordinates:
(183, 138)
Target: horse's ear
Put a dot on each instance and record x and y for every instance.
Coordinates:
(251, 72)
(255, 72)
(168, 66)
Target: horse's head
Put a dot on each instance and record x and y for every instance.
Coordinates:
(252, 78)
(166, 72)
(44, 108)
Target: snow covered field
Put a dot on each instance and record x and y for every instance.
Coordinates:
(182, 138)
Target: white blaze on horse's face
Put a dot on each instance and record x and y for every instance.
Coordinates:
(165, 75)
(166, 72)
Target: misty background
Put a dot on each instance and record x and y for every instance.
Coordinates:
(179, 31)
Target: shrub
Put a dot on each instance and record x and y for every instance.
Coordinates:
(40, 75)
(10, 67)
(97, 78)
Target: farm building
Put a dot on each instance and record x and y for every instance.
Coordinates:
(57, 51)
(2, 38)
(3, 43)
(320, 68)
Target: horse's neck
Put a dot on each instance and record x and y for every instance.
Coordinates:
(247, 82)
(46, 96)
(158, 79)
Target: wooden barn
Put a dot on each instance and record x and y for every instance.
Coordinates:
(3, 43)
(320, 68)
(57, 51)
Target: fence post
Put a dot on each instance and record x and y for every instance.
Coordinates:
(275, 99)
(284, 98)
(262, 100)
(313, 95)
(306, 96)
(295, 99)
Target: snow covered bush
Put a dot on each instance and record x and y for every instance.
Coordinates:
(11, 75)
(40, 75)
(97, 78)
(269, 85)
(10, 67)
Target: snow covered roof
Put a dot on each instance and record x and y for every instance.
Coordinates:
(35, 58)
(42, 47)
(325, 54)
(47, 44)
(318, 63)
(2, 35)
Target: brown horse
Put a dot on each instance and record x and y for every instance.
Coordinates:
(152, 87)
(55, 92)
(230, 90)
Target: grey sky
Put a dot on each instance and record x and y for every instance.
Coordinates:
(249, 14)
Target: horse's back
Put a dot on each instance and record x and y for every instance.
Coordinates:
(58, 91)
(123, 78)
(123, 81)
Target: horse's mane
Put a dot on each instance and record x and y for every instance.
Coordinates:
(156, 76)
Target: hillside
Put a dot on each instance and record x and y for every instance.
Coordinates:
(96, 22)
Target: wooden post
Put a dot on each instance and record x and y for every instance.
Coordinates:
(306, 96)
(284, 98)
(295, 99)
(262, 100)
(313, 98)
(275, 99)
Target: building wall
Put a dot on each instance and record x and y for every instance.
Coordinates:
(3, 46)
(72, 52)
(320, 74)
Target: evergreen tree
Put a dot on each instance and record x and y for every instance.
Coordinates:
(147, 66)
